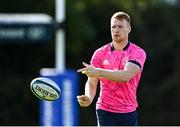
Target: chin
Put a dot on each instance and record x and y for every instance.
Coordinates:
(117, 40)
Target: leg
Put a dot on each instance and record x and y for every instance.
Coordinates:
(127, 119)
(105, 118)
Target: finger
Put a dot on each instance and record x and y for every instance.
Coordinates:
(78, 97)
(86, 65)
(81, 102)
(84, 72)
(82, 97)
(82, 69)
(83, 105)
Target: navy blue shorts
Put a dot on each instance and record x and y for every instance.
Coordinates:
(105, 118)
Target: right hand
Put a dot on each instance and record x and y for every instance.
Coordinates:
(89, 70)
(84, 100)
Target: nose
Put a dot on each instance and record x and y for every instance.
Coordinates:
(116, 29)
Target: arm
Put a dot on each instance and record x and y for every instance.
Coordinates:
(91, 87)
(90, 92)
(130, 70)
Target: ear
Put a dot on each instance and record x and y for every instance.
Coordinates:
(129, 28)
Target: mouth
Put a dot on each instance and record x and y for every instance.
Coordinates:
(116, 35)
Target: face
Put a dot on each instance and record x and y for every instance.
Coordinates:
(119, 30)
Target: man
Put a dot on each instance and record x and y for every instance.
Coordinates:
(118, 65)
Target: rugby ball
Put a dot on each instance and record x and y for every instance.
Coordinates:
(45, 89)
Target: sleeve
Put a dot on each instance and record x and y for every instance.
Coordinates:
(96, 59)
(138, 57)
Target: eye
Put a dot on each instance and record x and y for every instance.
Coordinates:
(119, 26)
(113, 27)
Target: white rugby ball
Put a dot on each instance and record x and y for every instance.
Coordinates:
(45, 89)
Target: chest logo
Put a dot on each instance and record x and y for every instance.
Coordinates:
(105, 62)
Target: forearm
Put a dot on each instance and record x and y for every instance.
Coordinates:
(130, 70)
(90, 89)
(114, 75)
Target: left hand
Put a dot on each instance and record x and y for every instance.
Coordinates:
(84, 100)
(89, 70)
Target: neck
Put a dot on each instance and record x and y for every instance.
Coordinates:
(120, 45)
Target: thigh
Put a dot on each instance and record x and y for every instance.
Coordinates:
(105, 118)
(127, 119)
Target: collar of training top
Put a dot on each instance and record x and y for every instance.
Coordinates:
(126, 47)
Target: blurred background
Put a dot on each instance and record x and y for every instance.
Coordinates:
(155, 27)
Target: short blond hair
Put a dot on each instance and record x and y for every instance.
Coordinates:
(121, 15)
